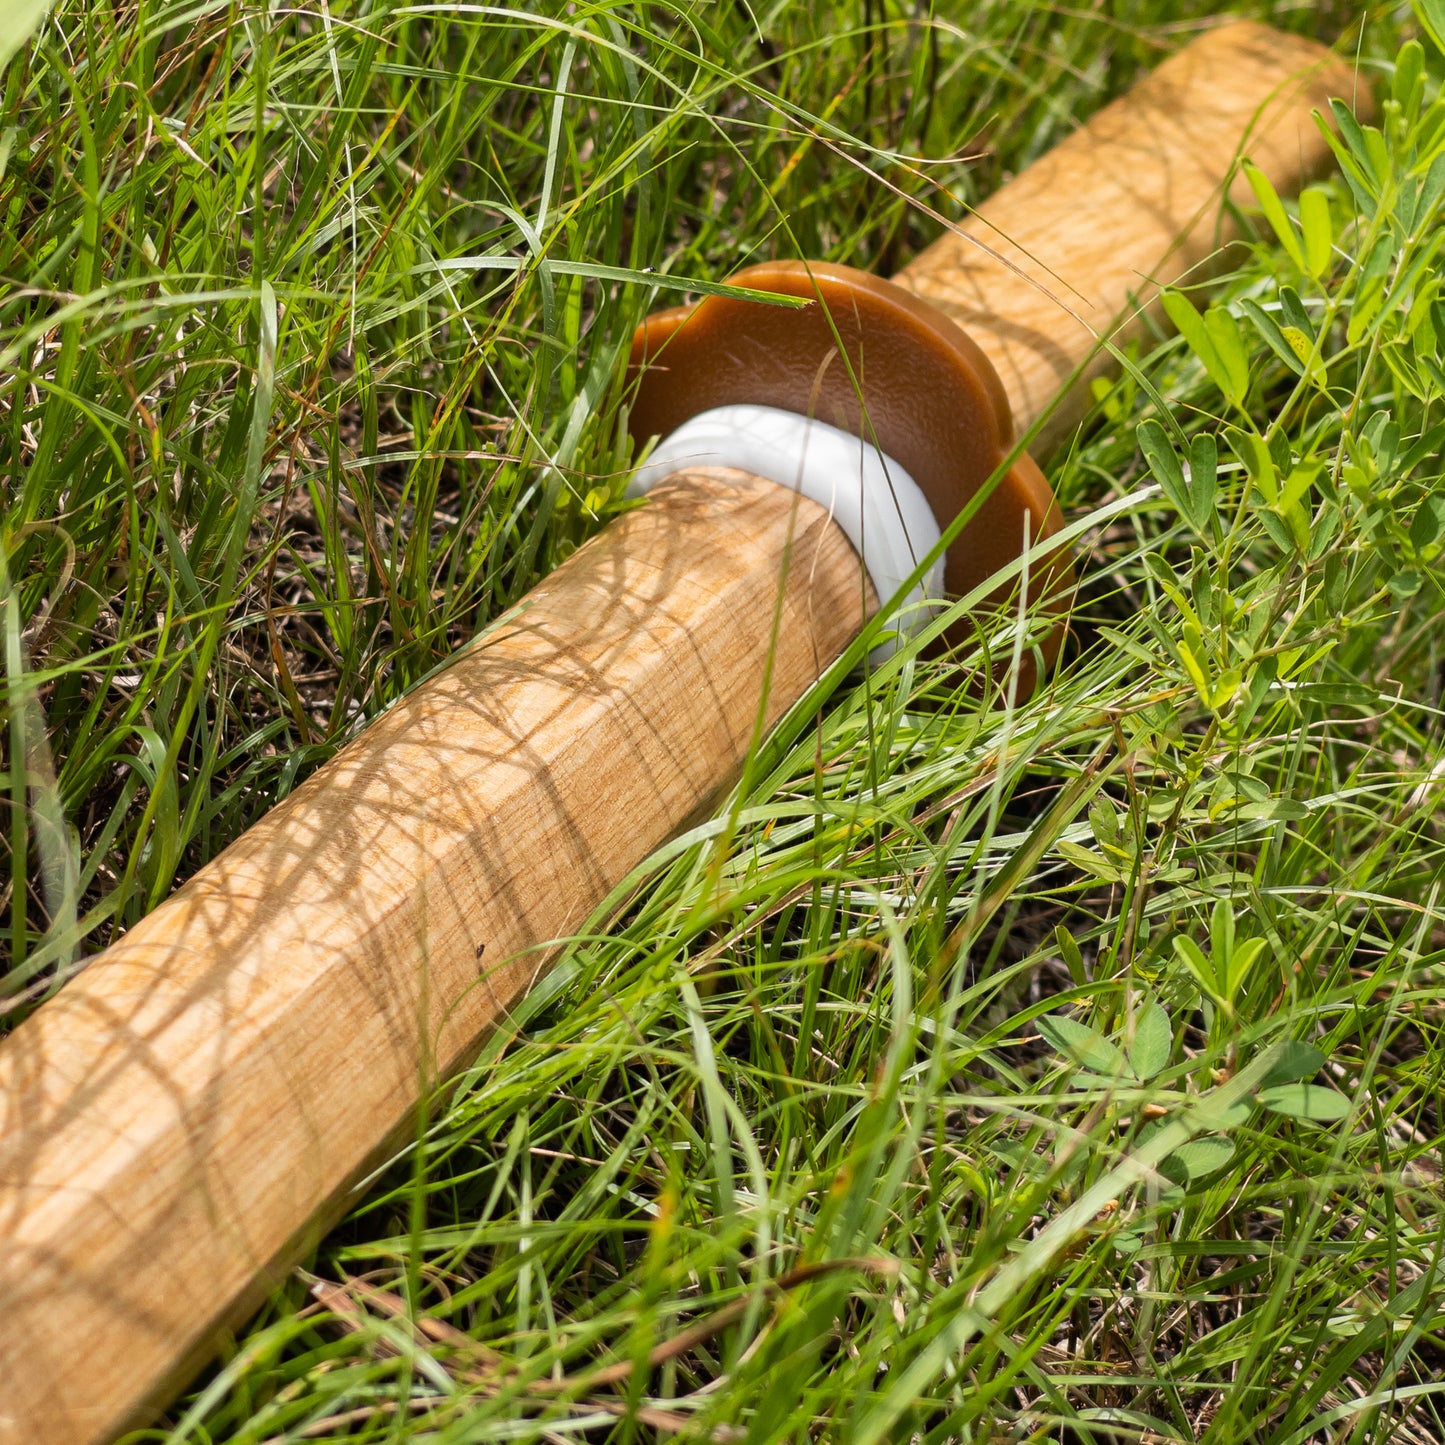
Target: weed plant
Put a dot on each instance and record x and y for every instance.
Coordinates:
(1060, 1067)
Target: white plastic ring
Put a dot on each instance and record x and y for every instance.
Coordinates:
(880, 508)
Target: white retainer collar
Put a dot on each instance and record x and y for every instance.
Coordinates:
(880, 508)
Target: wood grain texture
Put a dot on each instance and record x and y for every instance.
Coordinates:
(216, 1080)
(1085, 237)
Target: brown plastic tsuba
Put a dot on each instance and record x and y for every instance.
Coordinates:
(876, 361)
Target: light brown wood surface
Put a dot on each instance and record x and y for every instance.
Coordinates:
(176, 1124)
(1131, 201)
(179, 1111)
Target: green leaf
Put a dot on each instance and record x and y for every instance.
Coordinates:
(19, 20)
(1192, 957)
(1193, 495)
(1274, 336)
(1298, 484)
(1229, 347)
(1425, 446)
(1069, 951)
(1214, 338)
(1425, 526)
(1082, 1045)
(1103, 821)
(1165, 464)
(1235, 1114)
(1433, 188)
(1294, 1060)
(1295, 314)
(1276, 810)
(1221, 928)
(1198, 669)
(1298, 332)
(1361, 187)
(1241, 959)
(1190, 325)
(1198, 1158)
(1274, 213)
(1299, 343)
(1369, 297)
(1153, 1041)
(1223, 691)
(1356, 138)
(1305, 1101)
(1409, 76)
(1090, 861)
(1261, 679)
(1203, 479)
(1432, 17)
(1370, 286)
(1017, 1155)
(1318, 228)
(1251, 449)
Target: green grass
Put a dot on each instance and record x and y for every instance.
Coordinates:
(1062, 1071)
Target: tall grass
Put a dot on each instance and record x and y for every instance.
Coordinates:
(1067, 1069)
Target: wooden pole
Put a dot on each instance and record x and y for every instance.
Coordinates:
(1086, 236)
(181, 1122)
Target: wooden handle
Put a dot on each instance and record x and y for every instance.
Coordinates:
(1127, 204)
(190, 1110)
